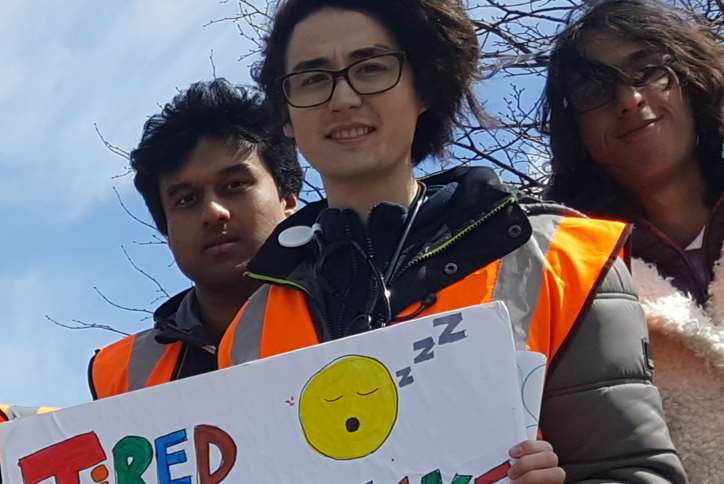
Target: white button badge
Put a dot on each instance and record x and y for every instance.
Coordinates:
(296, 236)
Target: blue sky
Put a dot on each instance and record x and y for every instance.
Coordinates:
(68, 66)
(65, 66)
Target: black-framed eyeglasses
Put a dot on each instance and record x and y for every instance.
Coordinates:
(598, 84)
(372, 75)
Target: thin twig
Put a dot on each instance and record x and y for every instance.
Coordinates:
(131, 214)
(148, 276)
(111, 147)
(213, 66)
(78, 324)
(120, 306)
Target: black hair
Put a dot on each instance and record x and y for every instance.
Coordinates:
(698, 62)
(439, 42)
(215, 109)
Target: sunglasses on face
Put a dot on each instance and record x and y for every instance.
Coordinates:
(596, 85)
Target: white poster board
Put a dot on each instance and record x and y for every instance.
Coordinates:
(431, 401)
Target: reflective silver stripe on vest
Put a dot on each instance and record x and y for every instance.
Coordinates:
(520, 276)
(247, 337)
(145, 355)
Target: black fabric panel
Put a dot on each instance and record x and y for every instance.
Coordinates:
(195, 361)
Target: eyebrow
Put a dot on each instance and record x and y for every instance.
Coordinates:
(639, 56)
(633, 60)
(237, 168)
(355, 55)
(176, 188)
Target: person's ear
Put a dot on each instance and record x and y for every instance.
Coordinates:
(290, 202)
(422, 106)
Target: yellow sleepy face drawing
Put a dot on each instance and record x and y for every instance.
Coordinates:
(348, 408)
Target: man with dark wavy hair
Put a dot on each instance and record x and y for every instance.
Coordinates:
(634, 105)
(216, 181)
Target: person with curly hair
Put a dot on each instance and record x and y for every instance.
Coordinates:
(634, 108)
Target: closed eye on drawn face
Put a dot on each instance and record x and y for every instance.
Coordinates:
(333, 399)
(362, 394)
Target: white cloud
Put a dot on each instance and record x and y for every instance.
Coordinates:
(72, 64)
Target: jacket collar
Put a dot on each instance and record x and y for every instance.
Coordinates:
(178, 319)
(676, 314)
(653, 246)
(476, 191)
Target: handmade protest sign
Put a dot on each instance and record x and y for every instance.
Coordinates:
(432, 401)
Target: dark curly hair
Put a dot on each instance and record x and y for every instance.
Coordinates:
(219, 110)
(439, 42)
(698, 62)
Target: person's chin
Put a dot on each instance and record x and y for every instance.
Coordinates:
(223, 278)
(354, 164)
(223, 250)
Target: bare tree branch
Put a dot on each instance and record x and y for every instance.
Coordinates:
(159, 287)
(131, 214)
(115, 150)
(213, 66)
(78, 324)
(515, 38)
(120, 306)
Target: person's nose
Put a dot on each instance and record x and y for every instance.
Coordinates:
(629, 98)
(215, 213)
(344, 97)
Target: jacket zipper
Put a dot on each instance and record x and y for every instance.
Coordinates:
(445, 245)
(277, 281)
(416, 260)
(376, 320)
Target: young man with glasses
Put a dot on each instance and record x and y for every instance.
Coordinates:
(369, 88)
(634, 106)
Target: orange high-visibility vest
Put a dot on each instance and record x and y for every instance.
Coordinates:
(135, 362)
(546, 284)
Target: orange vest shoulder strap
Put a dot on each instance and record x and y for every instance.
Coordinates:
(288, 324)
(274, 320)
(225, 352)
(135, 362)
(163, 370)
(3, 412)
(578, 257)
(109, 370)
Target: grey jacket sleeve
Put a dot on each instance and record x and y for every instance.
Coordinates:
(600, 410)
